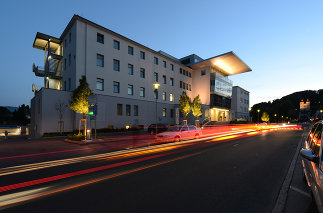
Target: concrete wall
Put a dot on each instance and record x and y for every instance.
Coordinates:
(240, 103)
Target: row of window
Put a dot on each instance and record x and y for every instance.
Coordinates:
(116, 45)
(185, 72)
(128, 110)
(142, 90)
(136, 110)
(184, 85)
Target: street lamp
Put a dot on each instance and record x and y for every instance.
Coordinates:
(156, 85)
(275, 118)
(258, 114)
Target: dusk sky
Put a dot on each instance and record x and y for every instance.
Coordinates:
(281, 41)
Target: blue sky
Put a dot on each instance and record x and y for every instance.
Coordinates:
(282, 41)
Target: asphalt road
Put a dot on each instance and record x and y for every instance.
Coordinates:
(243, 174)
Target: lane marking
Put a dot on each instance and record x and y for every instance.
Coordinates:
(300, 191)
(19, 197)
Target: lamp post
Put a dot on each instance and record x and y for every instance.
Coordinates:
(258, 114)
(275, 118)
(156, 85)
(282, 119)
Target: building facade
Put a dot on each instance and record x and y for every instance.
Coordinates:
(121, 74)
(240, 104)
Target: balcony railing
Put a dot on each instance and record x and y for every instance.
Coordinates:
(51, 72)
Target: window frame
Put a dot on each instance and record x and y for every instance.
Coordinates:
(118, 63)
(102, 82)
(99, 35)
(130, 48)
(116, 84)
(98, 58)
(116, 44)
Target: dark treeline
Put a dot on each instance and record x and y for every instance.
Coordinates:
(20, 117)
(287, 108)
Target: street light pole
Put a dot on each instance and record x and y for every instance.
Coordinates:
(258, 114)
(156, 85)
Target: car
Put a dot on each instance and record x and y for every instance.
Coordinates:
(312, 163)
(159, 127)
(178, 133)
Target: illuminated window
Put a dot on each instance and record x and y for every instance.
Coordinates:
(164, 79)
(130, 89)
(142, 55)
(99, 60)
(119, 109)
(116, 87)
(116, 65)
(116, 44)
(142, 92)
(171, 97)
(130, 50)
(99, 84)
(142, 73)
(171, 81)
(128, 110)
(164, 112)
(130, 69)
(164, 96)
(100, 38)
(155, 60)
(135, 110)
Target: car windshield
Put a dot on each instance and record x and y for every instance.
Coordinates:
(174, 129)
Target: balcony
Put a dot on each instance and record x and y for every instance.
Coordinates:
(54, 72)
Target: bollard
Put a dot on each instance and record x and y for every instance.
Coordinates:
(88, 134)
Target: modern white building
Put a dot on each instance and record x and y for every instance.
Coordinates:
(240, 104)
(121, 74)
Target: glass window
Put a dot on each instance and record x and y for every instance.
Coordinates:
(142, 72)
(99, 60)
(116, 65)
(130, 89)
(119, 109)
(116, 44)
(70, 37)
(155, 76)
(184, 128)
(171, 81)
(142, 55)
(202, 72)
(189, 87)
(142, 92)
(99, 84)
(64, 63)
(316, 140)
(69, 84)
(189, 75)
(130, 69)
(155, 60)
(164, 64)
(180, 70)
(130, 50)
(172, 67)
(180, 84)
(100, 38)
(128, 110)
(116, 87)
(135, 110)
(164, 112)
(171, 97)
(164, 96)
(164, 79)
(69, 59)
(156, 94)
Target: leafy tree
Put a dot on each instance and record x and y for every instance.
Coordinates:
(197, 107)
(265, 117)
(80, 100)
(21, 115)
(185, 104)
(5, 115)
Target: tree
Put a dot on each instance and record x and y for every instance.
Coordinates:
(80, 100)
(197, 107)
(5, 115)
(60, 107)
(265, 117)
(21, 115)
(184, 104)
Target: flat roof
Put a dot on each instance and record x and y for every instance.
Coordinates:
(228, 63)
(41, 42)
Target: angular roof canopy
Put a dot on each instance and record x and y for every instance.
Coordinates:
(227, 63)
(41, 41)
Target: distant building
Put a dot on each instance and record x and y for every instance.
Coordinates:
(240, 104)
(120, 72)
(305, 105)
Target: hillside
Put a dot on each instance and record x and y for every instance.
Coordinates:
(289, 106)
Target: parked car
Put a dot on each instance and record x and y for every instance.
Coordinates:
(177, 133)
(153, 128)
(312, 157)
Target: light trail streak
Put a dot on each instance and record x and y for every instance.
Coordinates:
(14, 198)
